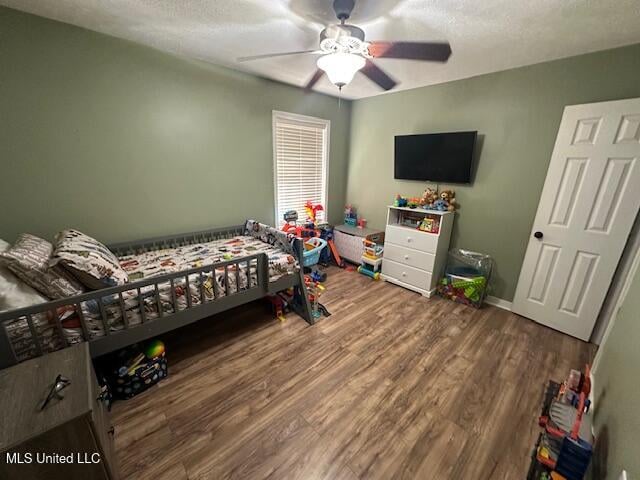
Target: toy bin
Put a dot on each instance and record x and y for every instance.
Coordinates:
(132, 371)
(466, 277)
(313, 248)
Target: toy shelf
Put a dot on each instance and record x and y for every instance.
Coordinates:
(411, 218)
(421, 210)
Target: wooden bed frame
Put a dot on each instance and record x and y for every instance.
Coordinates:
(166, 321)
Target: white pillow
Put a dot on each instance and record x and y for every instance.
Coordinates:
(14, 293)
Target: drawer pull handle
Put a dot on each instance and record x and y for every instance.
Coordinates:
(111, 431)
(404, 274)
(408, 239)
(406, 257)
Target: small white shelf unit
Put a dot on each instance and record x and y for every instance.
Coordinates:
(415, 259)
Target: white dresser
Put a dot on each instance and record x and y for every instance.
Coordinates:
(412, 258)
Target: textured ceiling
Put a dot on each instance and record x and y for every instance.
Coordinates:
(485, 36)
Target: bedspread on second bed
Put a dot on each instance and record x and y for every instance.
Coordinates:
(201, 289)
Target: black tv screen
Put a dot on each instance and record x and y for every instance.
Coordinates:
(435, 157)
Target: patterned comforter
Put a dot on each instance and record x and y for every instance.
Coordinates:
(201, 289)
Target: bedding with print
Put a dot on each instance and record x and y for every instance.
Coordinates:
(28, 259)
(88, 260)
(201, 288)
(14, 293)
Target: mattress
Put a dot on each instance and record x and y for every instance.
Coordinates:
(201, 288)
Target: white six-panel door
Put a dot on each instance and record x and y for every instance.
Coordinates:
(588, 205)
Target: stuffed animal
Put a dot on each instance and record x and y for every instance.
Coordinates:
(440, 205)
(449, 196)
(429, 197)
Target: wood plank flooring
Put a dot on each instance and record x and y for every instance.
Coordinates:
(392, 385)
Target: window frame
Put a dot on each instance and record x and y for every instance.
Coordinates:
(278, 115)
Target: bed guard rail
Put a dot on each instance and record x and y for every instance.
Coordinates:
(102, 314)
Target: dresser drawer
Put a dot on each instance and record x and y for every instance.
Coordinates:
(406, 274)
(408, 237)
(409, 256)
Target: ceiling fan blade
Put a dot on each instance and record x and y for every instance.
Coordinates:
(317, 75)
(271, 55)
(426, 51)
(378, 76)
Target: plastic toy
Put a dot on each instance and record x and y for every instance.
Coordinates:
(413, 202)
(312, 211)
(313, 247)
(278, 306)
(154, 349)
(565, 448)
(350, 215)
(371, 260)
(314, 290)
(400, 201)
(430, 225)
(336, 256)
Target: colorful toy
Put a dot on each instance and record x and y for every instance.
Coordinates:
(278, 305)
(314, 290)
(429, 197)
(449, 196)
(400, 201)
(371, 260)
(154, 349)
(312, 211)
(350, 216)
(313, 248)
(429, 224)
(413, 202)
(336, 256)
(565, 447)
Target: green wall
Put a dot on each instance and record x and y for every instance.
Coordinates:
(617, 392)
(517, 114)
(124, 142)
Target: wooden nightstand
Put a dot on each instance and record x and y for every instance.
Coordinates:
(76, 427)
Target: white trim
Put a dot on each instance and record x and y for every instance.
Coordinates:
(623, 294)
(280, 115)
(498, 302)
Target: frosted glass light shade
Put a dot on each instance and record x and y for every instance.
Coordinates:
(341, 67)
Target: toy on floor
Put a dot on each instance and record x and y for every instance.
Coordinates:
(466, 277)
(135, 369)
(565, 447)
(315, 290)
(371, 260)
(279, 305)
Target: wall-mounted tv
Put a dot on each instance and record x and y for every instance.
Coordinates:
(435, 157)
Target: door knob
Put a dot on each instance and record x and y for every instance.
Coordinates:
(538, 235)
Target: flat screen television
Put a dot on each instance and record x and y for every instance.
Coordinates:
(435, 157)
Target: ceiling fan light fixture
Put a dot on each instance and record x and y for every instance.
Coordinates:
(341, 67)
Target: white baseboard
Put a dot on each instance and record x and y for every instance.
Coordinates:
(498, 302)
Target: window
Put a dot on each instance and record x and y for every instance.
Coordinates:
(301, 157)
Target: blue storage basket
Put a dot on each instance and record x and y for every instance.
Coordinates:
(311, 257)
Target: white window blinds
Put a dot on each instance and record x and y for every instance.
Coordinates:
(301, 152)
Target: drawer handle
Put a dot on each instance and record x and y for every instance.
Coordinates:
(406, 257)
(404, 274)
(408, 239)
(111, 431)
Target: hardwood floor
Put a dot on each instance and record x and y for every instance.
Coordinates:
(392, 385)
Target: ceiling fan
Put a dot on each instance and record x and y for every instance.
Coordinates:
(344, 52)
